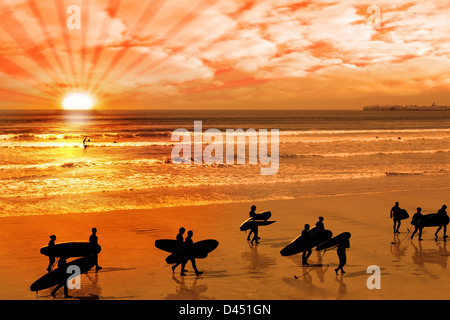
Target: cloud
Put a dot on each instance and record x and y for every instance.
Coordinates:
(228, 48)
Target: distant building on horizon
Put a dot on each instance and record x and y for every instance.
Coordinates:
(406, 107)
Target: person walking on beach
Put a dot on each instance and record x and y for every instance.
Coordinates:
(93, 239)
(319, 224)
(62, 264)
(442, 211)
(254, 228)
(188, 245)
(393, 215)
(415, 221)
(51, 259)
(306, 253)
(180, 244)
(342, 246)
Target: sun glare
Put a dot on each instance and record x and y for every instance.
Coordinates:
(78, 101)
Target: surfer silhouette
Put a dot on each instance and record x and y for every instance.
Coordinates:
(51, 259)
(254, 228)
(85, 145)
(319, 224)
(442, 211)
(62, 263)
(180, 244)
(188, 244)
(342, 246)
(93, 239)
(397, 222)
(306, 253)
(415, 221)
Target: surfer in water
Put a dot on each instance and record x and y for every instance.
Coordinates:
(51, 259)
(188, 243)
(93, 239)
(442, 211)
(85, 141)
(180, 244)
(397, 222)
(62, 263)
(342, 246)
(415, 221)
(306, 253)
(254, 228)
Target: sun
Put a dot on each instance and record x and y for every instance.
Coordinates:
(78, 101)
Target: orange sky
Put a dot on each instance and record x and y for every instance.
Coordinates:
(225, 54)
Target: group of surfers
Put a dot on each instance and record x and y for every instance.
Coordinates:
(418, 227)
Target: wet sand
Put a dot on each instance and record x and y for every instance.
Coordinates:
(134, 269)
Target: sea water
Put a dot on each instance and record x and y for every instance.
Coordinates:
(45, 168)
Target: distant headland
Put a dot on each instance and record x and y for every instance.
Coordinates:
(406, 107)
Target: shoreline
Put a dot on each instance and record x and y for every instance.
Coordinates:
(135, 269)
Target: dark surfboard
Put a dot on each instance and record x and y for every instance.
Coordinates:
(199, 250)
(71, 249)
(329, 244)
(433, 220)
(303, 243)
(168, 245)
(247, 225)
(260, 219)
(59, 275)
(401, 214)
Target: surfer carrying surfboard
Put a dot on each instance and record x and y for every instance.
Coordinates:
(93, 239)
(62, 263)
(180, 243)
(442, 211)
(307, 252)
(342, 246)
(393, 212)
(254, 228)
(415, 222)
(188, 243)
(51, 259)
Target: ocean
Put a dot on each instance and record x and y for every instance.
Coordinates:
(127, 164)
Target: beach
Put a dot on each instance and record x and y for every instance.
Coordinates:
(134, 269)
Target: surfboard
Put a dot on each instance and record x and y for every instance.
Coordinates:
(199, 250)
(169, 245)
(259, 217)
(433, 220)
(344, 236)
(59, 275)
(303, 243)
(71, 249)
(247, 225)
(401, 214)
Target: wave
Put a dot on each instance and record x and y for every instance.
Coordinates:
(356, 154)
(81, 164)
(80, 145)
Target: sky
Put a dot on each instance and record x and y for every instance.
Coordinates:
(225, 54)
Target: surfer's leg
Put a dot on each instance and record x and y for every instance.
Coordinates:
(414, 232)
(194, 265)
(438, 229)
(420, 234)
(53, 293)
(182, 268)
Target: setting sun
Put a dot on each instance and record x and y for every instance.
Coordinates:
(78, 101)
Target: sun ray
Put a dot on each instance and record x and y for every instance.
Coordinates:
(178, 27)
(112, 8)
(62, 21)
(12, 26)
(37, 15)
(150, 11)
